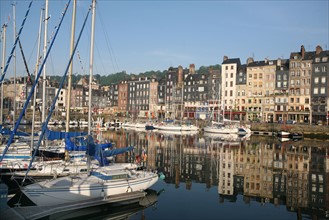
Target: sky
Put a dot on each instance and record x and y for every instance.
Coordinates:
(139, 36)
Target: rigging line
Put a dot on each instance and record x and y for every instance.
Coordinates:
(109, 47)
(34, 46)
(14, 46)
(100, 61)
(24, 60)
(10, 140)
(44, 125)
(79, 58)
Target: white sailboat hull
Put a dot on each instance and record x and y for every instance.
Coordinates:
(177, 127)
(221, 130)
(85, 187)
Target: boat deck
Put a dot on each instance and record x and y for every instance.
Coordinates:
(35, 212)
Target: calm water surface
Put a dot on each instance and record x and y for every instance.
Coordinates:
(209, 177)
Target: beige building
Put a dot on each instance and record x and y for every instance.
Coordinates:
(255, 74)
(300, 72)
(153, 102)
(122, 97)
(268, 89)
(228, 91)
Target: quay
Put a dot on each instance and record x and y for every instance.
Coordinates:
(35, 212)
(308, 131)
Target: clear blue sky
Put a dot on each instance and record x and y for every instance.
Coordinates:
(138, 36)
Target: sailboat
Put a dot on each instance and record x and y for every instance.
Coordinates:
(96, 183)
(220, 127)
(170, 125)
(101, 182)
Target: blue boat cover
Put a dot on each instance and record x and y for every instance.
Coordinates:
(7, 131)
(80, 144)
(57, 135)
(99, 154)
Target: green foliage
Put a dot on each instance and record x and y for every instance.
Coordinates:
(105, 80)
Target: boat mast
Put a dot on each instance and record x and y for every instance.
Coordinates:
(91, 65)
(69, 84)
(14, 32)
(36, 71)
(44, 67)
(91, 71)
(4, 27)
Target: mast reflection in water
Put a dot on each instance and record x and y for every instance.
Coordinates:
(254, 178)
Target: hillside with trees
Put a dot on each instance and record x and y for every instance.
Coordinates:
(106, 80)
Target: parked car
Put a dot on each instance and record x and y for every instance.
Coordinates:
(291, 122)
(319, 122)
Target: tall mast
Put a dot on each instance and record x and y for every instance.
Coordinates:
(69, 84)
(36, 71)
(91, 73)
(44, 67)
(2, 70)
(15, 90)
(91, 62)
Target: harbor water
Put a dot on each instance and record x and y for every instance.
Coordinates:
(213, 177)
(221, 177)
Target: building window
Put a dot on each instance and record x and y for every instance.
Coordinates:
(324, 69)
(323, 79)
(316, 80)
(316, 91)
(323, 90)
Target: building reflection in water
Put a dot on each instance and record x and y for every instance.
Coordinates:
(263, 169)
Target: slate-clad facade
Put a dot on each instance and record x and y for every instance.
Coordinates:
(319, 85)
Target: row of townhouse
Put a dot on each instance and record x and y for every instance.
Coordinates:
(267, 90)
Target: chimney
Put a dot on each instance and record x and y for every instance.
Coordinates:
(302, 51)
(278, 63)
(225, 58)
(192, 68)
(250, 60)
(318, 49)
(180, 76)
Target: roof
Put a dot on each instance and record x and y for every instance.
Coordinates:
(231, 61)
(307, 56)
(262, 63)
